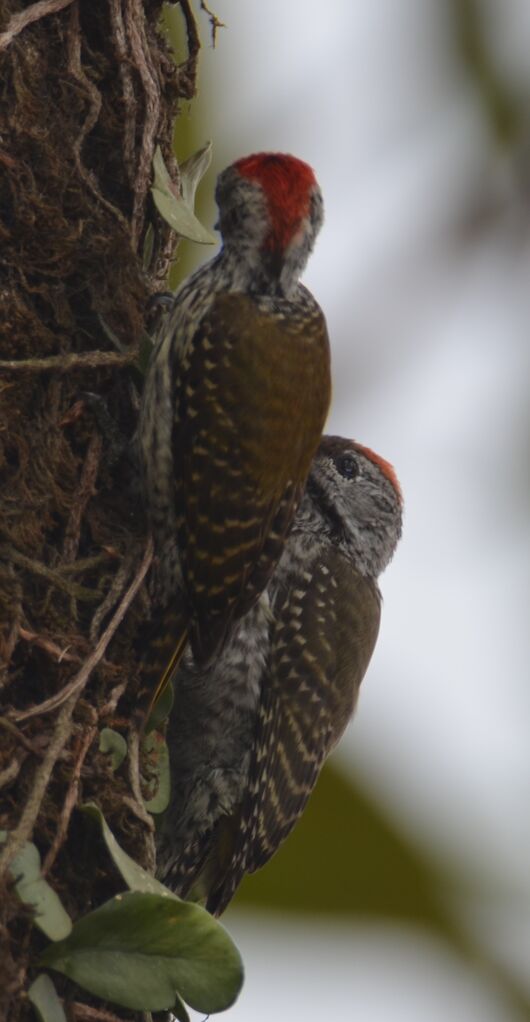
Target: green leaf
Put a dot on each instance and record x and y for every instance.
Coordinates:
(113, 743)
(140, 950)
(181, 219)
(174, 208)
(45, 1000)
(192, 171)
(162, 180)
(50, 915)
(155, 748)
(136, 878)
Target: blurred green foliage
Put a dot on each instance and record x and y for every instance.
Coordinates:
(501, 107)
(348, 858)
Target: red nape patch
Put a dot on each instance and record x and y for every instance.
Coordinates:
(386, 468)
(287, 183)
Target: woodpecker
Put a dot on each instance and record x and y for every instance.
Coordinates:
(234, 405)
(248, 735)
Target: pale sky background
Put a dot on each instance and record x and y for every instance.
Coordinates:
(423, 271)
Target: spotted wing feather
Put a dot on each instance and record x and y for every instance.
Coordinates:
(307, 700)
(252, 399)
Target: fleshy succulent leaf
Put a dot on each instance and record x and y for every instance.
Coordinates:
(143, 950)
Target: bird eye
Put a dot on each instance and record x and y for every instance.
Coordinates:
(348, 466)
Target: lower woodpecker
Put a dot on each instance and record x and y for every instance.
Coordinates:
(248, 735)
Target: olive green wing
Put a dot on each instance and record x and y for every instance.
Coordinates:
(251, 401)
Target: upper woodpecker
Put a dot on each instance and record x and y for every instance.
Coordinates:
(248, 735)
(234, 405)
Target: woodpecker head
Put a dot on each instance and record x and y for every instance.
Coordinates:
(354, 498)
(270, 212)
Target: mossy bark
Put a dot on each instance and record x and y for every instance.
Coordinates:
(87, 90)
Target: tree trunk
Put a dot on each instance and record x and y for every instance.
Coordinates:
(89, 88)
